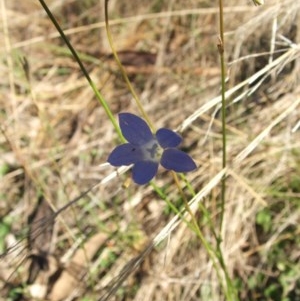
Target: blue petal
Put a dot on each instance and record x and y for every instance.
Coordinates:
(177, 160)
(134, 129)
(125, 154)
(167, 138)
(144, 171)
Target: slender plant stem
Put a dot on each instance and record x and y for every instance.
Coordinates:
(231, 293)
(221, 46)
(212, 254)
(84, 71)
(123, 71)
(186, 204)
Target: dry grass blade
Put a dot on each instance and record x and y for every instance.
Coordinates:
(136, 19)
(238, 88)
(292, 105)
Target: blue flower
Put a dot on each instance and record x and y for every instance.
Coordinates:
(145, 150)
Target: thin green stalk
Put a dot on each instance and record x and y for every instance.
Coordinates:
(187, 207)
(170, 204)
(223, 90)
(201, 206)
(231, 293)
(84, 71)
(188, 184)
(214, 256)
(123, 71)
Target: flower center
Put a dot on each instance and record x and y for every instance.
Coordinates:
(152, 151)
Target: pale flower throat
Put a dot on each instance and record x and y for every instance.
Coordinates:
(152, 151)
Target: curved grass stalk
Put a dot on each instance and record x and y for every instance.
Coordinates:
(123, 71)
(230, 292)
(84, 71)
(221, 47)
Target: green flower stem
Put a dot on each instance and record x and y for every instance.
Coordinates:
(230, 292)
(223, 91)
(170, 204)
(84, 71)
(123, 71)
(214, 256)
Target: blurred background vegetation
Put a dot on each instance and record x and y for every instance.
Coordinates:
(55, 138)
